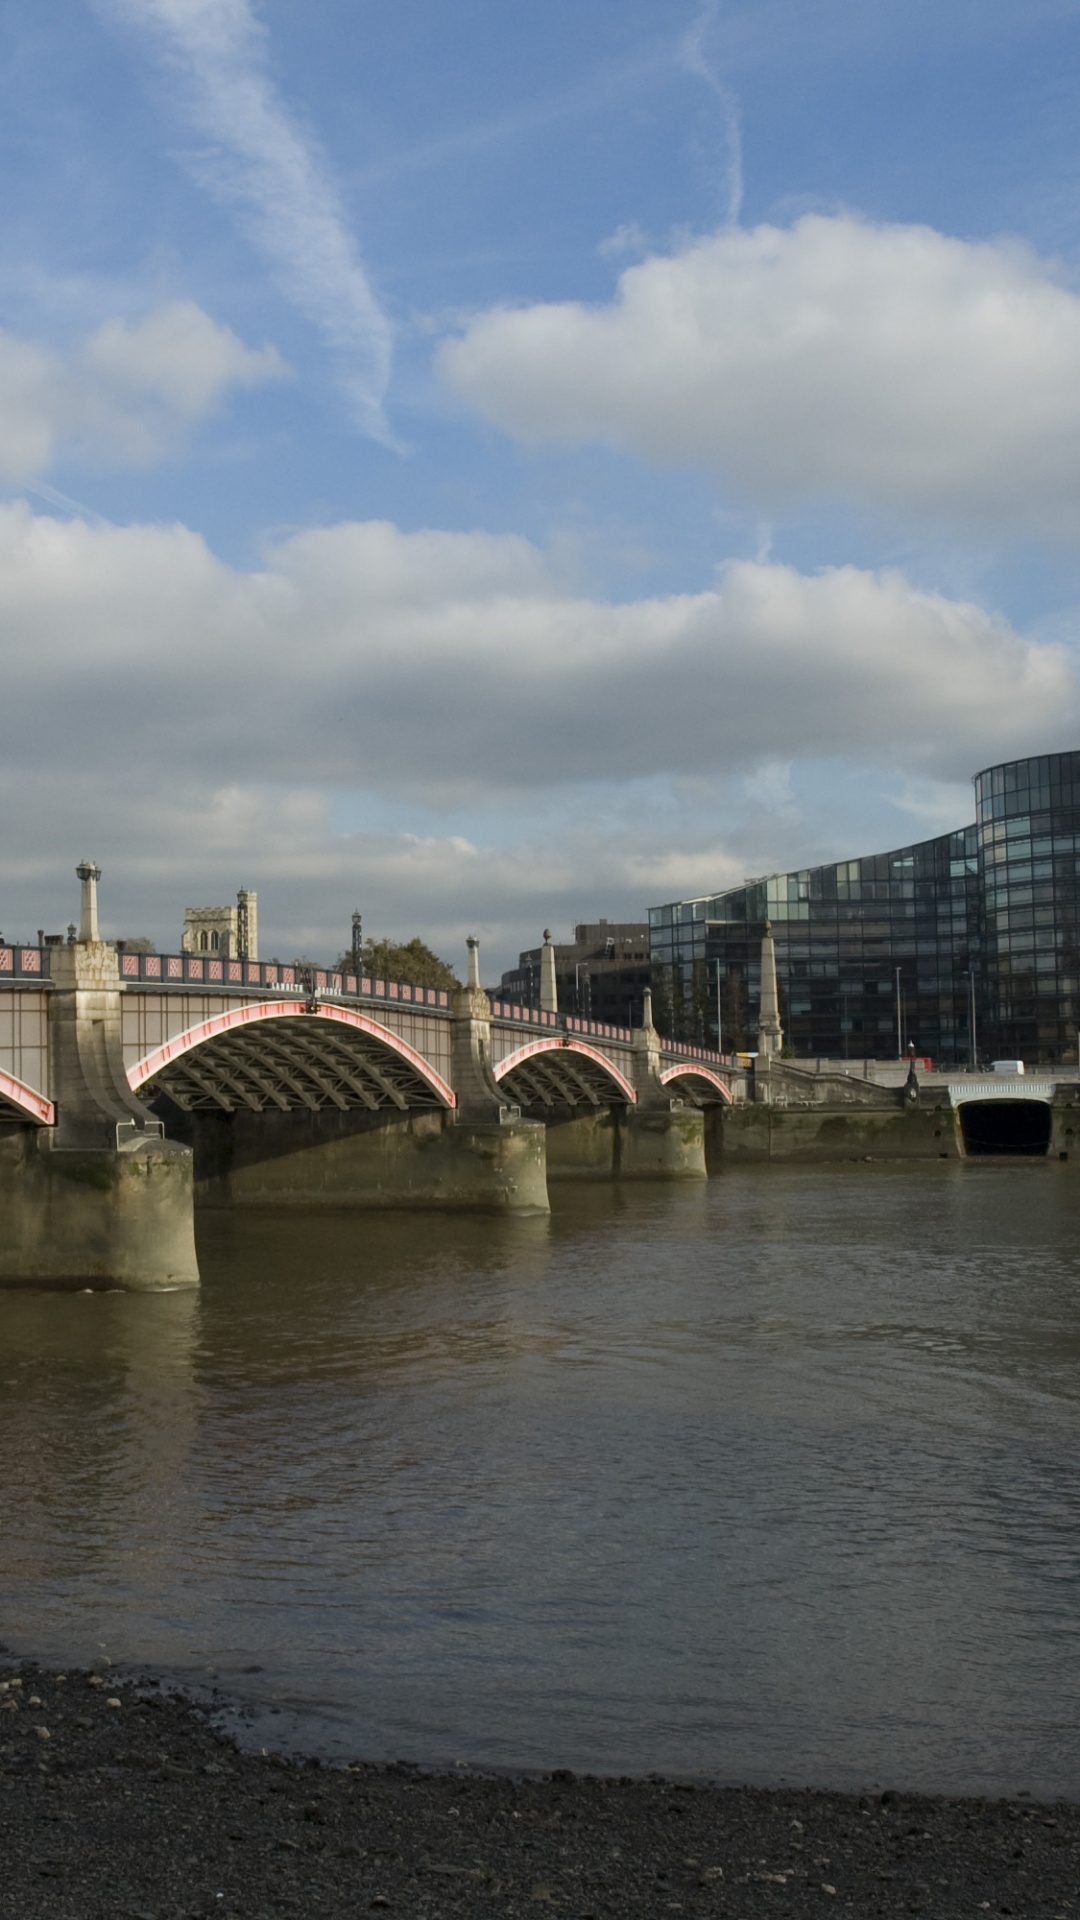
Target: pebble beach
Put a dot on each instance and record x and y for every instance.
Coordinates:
(119, 1801)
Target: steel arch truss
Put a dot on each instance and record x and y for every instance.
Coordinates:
(20, 1102)
(550, 1074)
(281, 1057)
(698, 1084)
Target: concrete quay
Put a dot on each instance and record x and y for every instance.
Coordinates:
(818, 1112)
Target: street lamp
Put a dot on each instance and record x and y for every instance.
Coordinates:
(899, 1020)
(969, 976)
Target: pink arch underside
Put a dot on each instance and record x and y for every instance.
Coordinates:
(692, 1072)
(565, 1046)
(183, 1043)
(34, 1105)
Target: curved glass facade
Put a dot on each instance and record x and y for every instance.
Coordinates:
(896, 947)
(1027, 816)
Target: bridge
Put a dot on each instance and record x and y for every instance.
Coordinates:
(242, 1082)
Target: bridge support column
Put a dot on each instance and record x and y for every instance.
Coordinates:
(660, 1138)
(94, 1216)
(662, 1143)
(496, 1160)
(101, 1198)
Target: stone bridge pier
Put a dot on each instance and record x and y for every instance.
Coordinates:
(99, 1197)
(606, 1121)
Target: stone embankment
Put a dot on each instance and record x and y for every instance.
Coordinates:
(118, 1802)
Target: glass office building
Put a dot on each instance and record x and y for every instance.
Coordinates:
(965, 945)
(1028, 815)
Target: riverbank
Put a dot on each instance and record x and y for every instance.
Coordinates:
(120, 1803)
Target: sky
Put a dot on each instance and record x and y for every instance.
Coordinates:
(499, 467)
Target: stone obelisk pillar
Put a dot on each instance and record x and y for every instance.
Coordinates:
(770, 1032)
(549, 988)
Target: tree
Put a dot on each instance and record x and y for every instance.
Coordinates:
(411, 961)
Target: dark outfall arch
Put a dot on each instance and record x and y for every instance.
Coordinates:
(1005, 1127)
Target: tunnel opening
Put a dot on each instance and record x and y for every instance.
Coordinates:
(1005, 1126)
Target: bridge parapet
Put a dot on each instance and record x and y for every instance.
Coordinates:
(169, 970)
(23, 963)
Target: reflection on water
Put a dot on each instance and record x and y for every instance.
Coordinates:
(769, 1480)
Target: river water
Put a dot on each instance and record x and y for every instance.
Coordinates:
(773, 1481)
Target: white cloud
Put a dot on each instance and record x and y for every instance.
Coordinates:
(693, 54)
(261, 163)
(186, 842)
(627, 238)
(459, 665)
(769, 787)
(125, 394)
(889, 365)
(198, 727)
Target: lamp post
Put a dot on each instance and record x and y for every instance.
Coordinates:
(899, 1020)
(969, 976)
(719, 1017)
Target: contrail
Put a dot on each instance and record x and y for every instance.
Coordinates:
(280, 185)
(692, 53)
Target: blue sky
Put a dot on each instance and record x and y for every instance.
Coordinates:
(503, 466)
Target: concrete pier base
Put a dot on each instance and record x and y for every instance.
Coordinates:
(348, 1159)
(657, 1143)
(628, 1143)
(584, 1146)
(94, 1216)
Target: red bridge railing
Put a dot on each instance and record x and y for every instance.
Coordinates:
(216, 974)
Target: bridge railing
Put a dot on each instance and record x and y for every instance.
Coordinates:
(686, 1052)
(23, 963)
(568, 1022)
(599, 1030)
(214, 972)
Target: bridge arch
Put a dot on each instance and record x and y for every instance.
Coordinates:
(20, 1102)
(280, 1054)
(563, 1071)
(692, 1071)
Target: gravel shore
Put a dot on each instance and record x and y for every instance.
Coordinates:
(120, 1803)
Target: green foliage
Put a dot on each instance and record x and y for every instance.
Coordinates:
(409, 960)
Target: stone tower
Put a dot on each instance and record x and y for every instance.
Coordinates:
(226, 932)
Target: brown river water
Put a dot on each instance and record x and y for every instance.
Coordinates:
(776, 1480)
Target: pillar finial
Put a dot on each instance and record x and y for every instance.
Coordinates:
(89, 873)
(473, 945)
